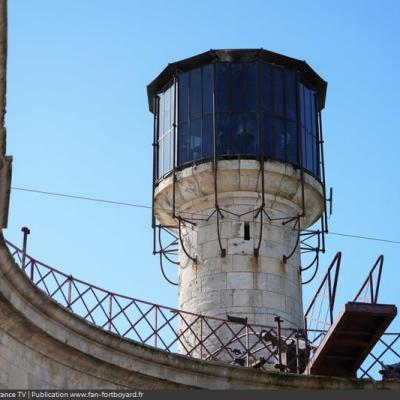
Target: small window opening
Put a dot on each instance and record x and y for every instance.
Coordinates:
(246, 231)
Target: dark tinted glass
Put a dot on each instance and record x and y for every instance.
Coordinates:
(207, 90)
(183, 98)
(250, 86)
(291, 140)
(221, 87)
(222, 134)
(266, 88)
(195, 93)
(310, 151)
(208, 139)
(290, 95)
(237, 87)
(195, 139)
(279, 139)
(278, 94)
(250, 143)
(237, 133)
(251, 99)
(267, 136)
(183, 144)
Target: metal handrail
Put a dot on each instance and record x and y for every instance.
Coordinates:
(369, 283)
(208, 338)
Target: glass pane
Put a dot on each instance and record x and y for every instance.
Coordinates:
(221, 87)
(167, 110)
(291, 140)
(302, 105)
(195, 139)
(183, 98)
(315, 157)
(237, 134)
(250, 145)
(237, 87)
(266, 88)
(208, 139)
(251, 87)
(172, 93)
(222, 134)
(161, 104)
(307, 111)
(195, 93)
(310, 151)
(313, 116)
(291, 95)
(267, 136)
(279, 139)
(304, 146)
(167, 153)
(183, 144)
(160, 158)
(277, 75)
(207, 90)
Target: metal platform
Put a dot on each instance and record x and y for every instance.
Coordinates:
(350, 339)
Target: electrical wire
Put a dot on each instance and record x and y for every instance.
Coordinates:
(82, 197)
(148, 207)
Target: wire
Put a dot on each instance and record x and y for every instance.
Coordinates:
(365, 237)
(148, 207)
(82, 197)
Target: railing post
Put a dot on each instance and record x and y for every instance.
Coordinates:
(69, 299)
(247, 346)
(110, 312)
(297, 352)
(371, 288)
(201, 337)
(278, 320)
(155, 326)
(26, 232)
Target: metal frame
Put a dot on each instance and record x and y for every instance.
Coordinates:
(238, 342)
(304, 237)
(323, 302)
(371, 284)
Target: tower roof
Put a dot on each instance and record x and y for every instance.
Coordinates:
(309, 76)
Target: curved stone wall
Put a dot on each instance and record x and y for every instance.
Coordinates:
(42, 345)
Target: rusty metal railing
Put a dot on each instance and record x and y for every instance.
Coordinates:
(369, 290)
(318, 317)
(190, 334)
(168, 328)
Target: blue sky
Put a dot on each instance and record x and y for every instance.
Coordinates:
(78, 123)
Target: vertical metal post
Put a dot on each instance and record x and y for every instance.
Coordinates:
(26, 232)
(371, 288)
(278, 320)
(174, 163)
(297, 352)
(247, 346)
(330, 298)
(69, 300)
(201, 337)
(110, 313)
(155, 326)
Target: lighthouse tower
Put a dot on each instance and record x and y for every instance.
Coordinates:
(237, 177)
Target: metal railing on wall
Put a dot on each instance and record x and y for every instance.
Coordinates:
(233, 341)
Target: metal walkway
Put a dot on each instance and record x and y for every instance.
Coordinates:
(351, 338)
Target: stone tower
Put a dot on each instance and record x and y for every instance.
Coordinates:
(237, 177)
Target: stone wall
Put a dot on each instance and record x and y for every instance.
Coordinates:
(227, 277)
